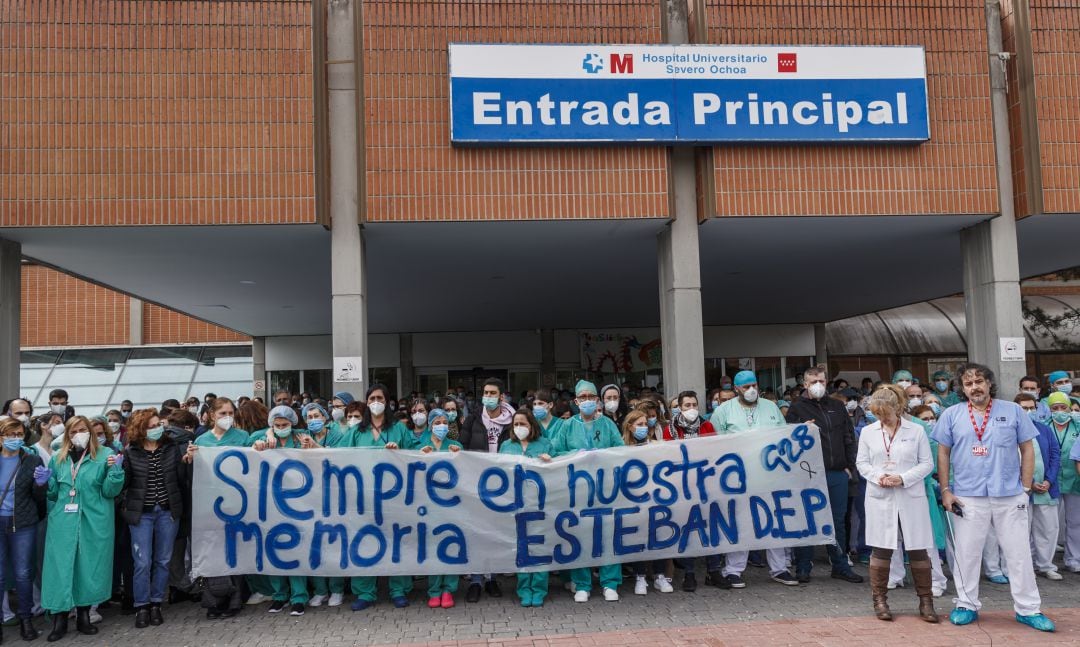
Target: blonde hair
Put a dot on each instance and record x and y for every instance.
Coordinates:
(65, 444)
(887, 396)
(629, 424)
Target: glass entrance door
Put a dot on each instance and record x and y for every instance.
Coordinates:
(473, 379)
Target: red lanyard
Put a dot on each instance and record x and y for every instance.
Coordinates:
(986, 421)
(888, 442)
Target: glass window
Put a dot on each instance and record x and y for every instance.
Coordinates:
(318, 384)
(521, 381)
(231, 390)
(147, 395)
(385, 376)
(432, 384)
(225, 364)
(283, 381)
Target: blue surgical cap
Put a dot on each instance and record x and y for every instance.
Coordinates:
(1058, 375)
(346, 397)
(742, 378)
(902, 375)
(435, 413)
(584, 386)
(282, 411)
(312, 405)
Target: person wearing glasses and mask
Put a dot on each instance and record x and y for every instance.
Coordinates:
(22, 507)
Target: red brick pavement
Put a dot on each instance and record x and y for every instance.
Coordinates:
(905, 631)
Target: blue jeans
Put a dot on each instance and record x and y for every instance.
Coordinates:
(837, 481)
(18, 548)
(151, 550)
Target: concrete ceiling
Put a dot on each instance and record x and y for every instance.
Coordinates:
(268, 280)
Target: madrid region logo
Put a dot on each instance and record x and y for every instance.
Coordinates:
(593, 63)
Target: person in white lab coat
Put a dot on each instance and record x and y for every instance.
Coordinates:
(894, 458)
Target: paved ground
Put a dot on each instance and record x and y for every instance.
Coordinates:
(825, 612)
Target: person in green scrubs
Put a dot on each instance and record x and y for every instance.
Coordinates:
(542, 408)
(941, 383)
(441, 588)
(528, 440)
(1066, 430)
(83, 480)
(326, 433)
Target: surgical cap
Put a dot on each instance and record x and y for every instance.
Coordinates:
(742, 378)
(346, 397)
(1058, 375)
(1057, 397)
(282, 411)
(435, 413)
(583, 387)
(308, 407)
(901, 375)
(942, 375)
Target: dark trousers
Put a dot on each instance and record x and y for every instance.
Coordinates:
(17, 549)
(837, 482)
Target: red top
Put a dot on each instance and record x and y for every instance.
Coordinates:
(706, 429)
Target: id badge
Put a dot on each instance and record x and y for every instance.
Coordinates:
(889, 466)
(980, 450)
(71, 507)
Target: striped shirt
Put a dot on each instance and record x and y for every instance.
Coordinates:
(156, 494)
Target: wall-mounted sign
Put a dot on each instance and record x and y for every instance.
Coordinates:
(686, 94)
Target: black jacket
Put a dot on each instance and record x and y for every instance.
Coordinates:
(136, 471)
(29, 502)
(473, 435)
(838, 444)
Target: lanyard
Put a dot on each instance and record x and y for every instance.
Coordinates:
(979, 431)
(888, 442)
(75, 467)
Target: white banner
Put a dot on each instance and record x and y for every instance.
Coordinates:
(344, 512)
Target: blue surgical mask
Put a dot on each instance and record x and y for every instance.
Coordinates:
(451, 415)
(941, 385)
(641, 433)
(1076, 417)
(13, 444)
(440, 430)
(315, 426)
(870, 417)
(491, 402)
(1065, 388)
(936, 408)
(1034, 414)
(1061, 417)
(651, 422)
(540, 413)
(282, 433)
(587, 407)
(155, 433)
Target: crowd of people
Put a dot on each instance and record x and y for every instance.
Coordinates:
(95, 510)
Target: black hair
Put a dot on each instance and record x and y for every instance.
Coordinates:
(58, 393)
(497, 383)
(686, 394)
(979, 370)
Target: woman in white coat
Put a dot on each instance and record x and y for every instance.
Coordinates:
(894, 458)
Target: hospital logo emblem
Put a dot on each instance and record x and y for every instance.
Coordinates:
(593, 63)
(787, 62)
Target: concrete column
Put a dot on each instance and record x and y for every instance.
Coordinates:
(347, 265)
(681, 326)
(10, 308)
(258, 367)
(547, 358)
(991, 262)
(405, 364)
(135, 321)
(821, 353)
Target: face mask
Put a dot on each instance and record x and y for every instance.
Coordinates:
(101, 440)
(1076, 416)
(451, 415)
(80, 439)
(611, 406)
(903, 384)
(1064, 388)
(419, 418)
(376, 408)
(193, 410)
(353, 422)
(750, 395)
(1061, 417)
(1034, 394)
(936, 408)
(540, 413)
(225, 423)
(337, 414)
(690, 415)
(115, 426)
(57, 430)
(715, 404)
(491, 402)
(25, 419)
(58, 408)
(651, 422)
(725, 387)
(1033, 414)
(125, 414)
(641, 433)
(282, 433)
(440, 431)
(13, 444)
(521, 432)
(817, 390)
(315, 426)
(851, 406)
(941, 386)
(155, 433)
(587, 407)
(914, 402)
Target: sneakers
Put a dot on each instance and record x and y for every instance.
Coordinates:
(277, 606)
(961, 616)
(435, 602)
(717, 579)
(847, 576)
(641, 587)
(95, 617)
(336, 599)
(689, 583)
(297, 610)
(316, 600)
(785, 578)
(1052, 575)
(735, 581)
(492, 588)
(359, 604)
(937, 592)
(611, 595)
(1036, 621)
(803, 577)
(447, 600)
(895, 585)
(257, 598)
(663, 584)
(998, 579)
(581, 596)
(400, 602)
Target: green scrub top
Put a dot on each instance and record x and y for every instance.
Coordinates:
(292, 441)
(576, 434)
(1068, 482)
(365, 437)
(234, 437)
(534, 449)
(731, 417)
(427, 440)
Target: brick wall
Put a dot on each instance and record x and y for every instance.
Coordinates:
(117, 112)
(412, 172)
(1055, 36)
(61, 310)
(952, 173)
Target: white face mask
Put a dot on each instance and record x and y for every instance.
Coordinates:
(25, 419)
(58, 408)
(903, 384)
(521, 431)
(57, 430)
(1034, 394)
(851, 405)
(193, 410)
(914, 402)
(337, 414)
(225, 423)
(611, 406)
(750, 395)
(376, 408)
(419, 418)
(817, 390)
(80, 439)
(690, 415)
(115, 426)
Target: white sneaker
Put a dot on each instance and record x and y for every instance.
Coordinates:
(581, 596)
(1053, 575)
(316, 600)
(641, 587)
(937, 592)
(257, 598)
(95, 617)
(663, 584)
(336, 599)
(611, 595)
